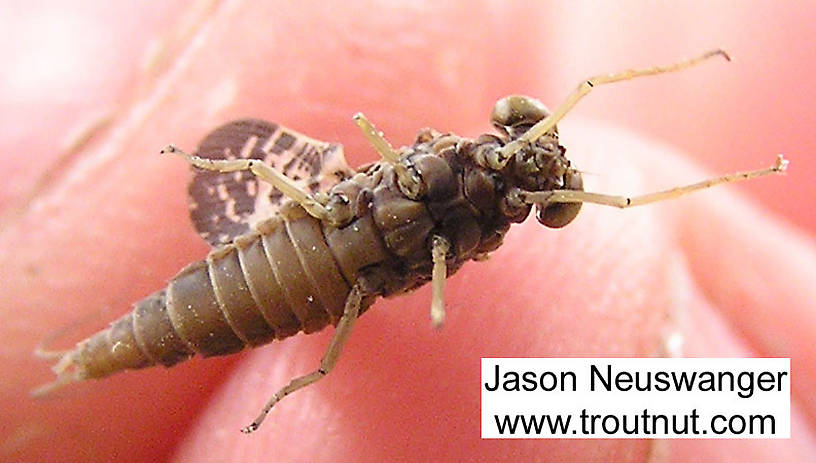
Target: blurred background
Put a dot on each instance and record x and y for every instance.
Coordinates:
(89, 83)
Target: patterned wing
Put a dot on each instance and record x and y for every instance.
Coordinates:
(226, 205)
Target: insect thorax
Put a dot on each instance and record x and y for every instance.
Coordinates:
(457, 196)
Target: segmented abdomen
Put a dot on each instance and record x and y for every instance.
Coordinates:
(291, 275)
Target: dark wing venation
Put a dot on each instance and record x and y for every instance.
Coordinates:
(226, 205)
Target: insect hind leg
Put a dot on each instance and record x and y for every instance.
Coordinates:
(261, 170)
(341, 334)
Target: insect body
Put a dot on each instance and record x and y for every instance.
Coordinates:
(342, 238)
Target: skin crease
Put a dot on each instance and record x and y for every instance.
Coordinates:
(111, 226)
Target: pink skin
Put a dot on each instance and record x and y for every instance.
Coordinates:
(111, 225)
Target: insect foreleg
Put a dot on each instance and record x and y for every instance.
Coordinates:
(546, 124)
(341, 334)
(262, 171)
(440, 273)
(577, 196)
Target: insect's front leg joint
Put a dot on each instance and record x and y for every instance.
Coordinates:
(410, 181)
(498, 158)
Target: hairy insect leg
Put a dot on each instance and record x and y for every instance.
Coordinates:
(341, 334)
(407, 179)
(376, 138)
(440, 273)
(578, 196)
(262, 171)
(546, 124)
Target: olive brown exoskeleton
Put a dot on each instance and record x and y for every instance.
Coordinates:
(302, 241)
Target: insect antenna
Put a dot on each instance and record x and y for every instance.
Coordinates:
(578, 196)
(545, 125)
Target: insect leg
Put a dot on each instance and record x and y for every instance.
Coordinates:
(376, 138)
(440, 273)
(578, 196)
(341, 334)
(262, 171)
(407, 179)
(546, 124)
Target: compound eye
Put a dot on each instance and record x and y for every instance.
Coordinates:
(557, 215)
(516, 110)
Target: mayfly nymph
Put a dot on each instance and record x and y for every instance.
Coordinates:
(302, 241)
